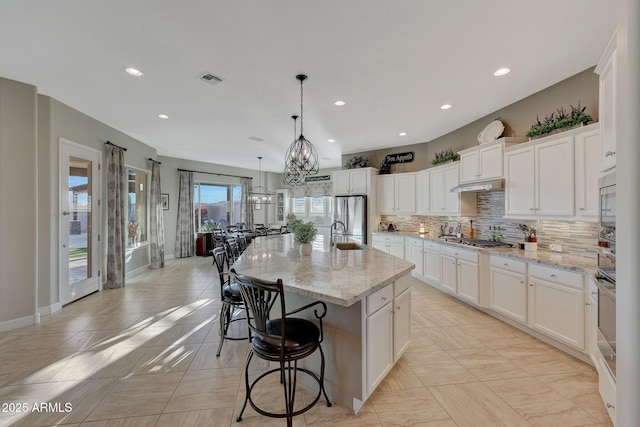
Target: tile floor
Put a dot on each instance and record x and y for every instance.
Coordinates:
(144, 356)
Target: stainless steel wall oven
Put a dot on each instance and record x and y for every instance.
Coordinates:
(606, 276)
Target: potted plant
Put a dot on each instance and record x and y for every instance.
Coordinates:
(446, 156)
(305, 233)
(558, 120)
(356, 162)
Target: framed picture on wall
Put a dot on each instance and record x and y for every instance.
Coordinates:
(165, 202)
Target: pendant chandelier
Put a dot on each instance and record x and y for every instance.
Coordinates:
(301, 158)
(292, 176)
(261, 195)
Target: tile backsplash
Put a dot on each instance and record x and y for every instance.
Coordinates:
(576, 238)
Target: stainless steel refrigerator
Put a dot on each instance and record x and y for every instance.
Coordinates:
(352, 211)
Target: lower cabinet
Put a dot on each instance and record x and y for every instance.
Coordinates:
(388, 329)
(460, 273)
(391, 244)
(556, 304)
(508, 288)
(432, 262)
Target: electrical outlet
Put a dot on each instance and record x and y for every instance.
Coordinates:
(555, 247)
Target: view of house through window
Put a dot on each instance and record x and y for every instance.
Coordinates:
(215, 203)
(137, 206)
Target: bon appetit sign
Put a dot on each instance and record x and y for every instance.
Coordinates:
(392, 159)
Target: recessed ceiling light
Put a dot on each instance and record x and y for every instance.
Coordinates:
(332, 140)
(402, 134)
(339, 103)
(163, 116)
(445, 106)
(134, 72)
(501, 72)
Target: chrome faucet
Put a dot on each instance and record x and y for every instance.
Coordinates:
(334, 226)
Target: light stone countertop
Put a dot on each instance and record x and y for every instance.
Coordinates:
(341, 277)
(543, 257)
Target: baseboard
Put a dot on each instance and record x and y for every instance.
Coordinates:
(47, 310)
(17, 323)
(137, 271)
(169, 256)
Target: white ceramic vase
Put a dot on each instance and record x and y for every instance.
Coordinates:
(305, 249)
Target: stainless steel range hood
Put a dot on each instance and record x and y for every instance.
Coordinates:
(477, 187)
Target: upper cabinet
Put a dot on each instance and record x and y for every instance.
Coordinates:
(396, 194)
(552, 177)
(606, 70)
(442, 200)
(353, 181)
(484, 162)
(282, 206)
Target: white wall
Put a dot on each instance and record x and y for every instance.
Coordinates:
(18, 219)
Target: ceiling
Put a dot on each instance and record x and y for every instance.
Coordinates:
(394, 63)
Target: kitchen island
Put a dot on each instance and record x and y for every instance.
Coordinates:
(367, 292)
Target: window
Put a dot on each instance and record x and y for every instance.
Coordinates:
(136, 206)
(215, 203)
(312, 206)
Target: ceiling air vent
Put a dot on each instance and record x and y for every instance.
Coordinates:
(210, 78)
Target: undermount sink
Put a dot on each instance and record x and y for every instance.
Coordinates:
(350, 247)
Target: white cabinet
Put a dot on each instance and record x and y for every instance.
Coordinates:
(460, 273)
(508, 288)
(432, 262)
(414, 253)
(607, 389)
(442, 200)
(587, 149)
(352, 181)
(607, 70)
(423, 192)
(539, 178)
(484, 162)
(396, 194)
(388, 329)
(556, 304)
(393, 245)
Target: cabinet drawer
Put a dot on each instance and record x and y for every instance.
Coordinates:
(387, 239)
(401, 285)
(412, 241)
(561, 277)
(379, 298)
(460, 254)
(432, 245)
(509, 264)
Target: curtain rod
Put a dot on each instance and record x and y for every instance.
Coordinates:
(117, 146)
(154, 161)
(214, 173)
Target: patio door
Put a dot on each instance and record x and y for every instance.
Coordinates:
(79, 221)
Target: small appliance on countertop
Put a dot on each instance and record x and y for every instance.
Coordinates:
(391, 227)
(450, 231)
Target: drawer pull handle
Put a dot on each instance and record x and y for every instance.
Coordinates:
(609, 405)
(506, 263)
(521, 281)
(384, 298)
(610, 153)
(553, 275)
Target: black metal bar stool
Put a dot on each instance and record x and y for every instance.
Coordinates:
(285, 341)
(230, 297)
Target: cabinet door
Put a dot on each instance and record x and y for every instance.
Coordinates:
(451, 200)
(437, 192)
(396, 249)
(379, 346)
(380, 246)
(587, 147)
(448, 272)
(415, 256)
(557, 311)
(423, 191)
(359, 181)
(554, 162)
(405, 194)
(385, 192)
(432, 266)
(490, 160)
(469, 167)
(519, 182)
(341, 183)
(607, 113)
(401, 323)
(508, 294)
(468, 280)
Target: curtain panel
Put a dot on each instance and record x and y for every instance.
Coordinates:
(156, 219)
(185, 224)
(247, 208)
(116, 217)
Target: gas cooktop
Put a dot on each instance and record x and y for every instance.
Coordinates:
(480, 243)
